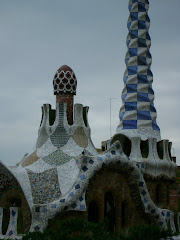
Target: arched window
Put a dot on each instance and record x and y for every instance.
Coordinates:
(125, 143)
(160, 149)
(158, 194)
(93, 212)
(144, 148)
(109, 210)
(14, 202)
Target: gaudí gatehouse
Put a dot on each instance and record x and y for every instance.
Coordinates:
(65, 176)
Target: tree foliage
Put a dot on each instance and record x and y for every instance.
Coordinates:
(78, 229)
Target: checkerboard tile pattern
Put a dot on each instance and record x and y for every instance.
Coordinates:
(138, 110)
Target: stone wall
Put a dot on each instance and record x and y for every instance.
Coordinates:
(159, 190)
(127, 209)
(174, 200)
(127, 203)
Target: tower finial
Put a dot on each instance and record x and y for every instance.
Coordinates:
(138, 114)
(65, 84)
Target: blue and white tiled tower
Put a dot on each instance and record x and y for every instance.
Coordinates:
(138, 114)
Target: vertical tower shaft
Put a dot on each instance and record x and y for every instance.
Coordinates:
(65, 84)
(69, 100)
(138, 114)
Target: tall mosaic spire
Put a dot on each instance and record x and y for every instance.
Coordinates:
(138, 114)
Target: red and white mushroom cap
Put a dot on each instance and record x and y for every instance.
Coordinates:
(65, 81)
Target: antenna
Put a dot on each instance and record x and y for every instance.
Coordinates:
(110, 115)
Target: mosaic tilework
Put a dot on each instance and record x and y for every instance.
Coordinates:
(66, 98)
(169, 218)
(91, 148)
(6, 178)
(67, 175)
(12, 228)
(39, 218)
(42, 133)
(72, 198)
(81, 119)
(46, 149)
(44, 186)
(72, 149)
(57, 158)
(138, 111)
(39, 166)
(29, 159)
(80, 138)
(79, 205)
(72, 175)
(71, 139)
(60, 137)
(64, 81)
(21, 175)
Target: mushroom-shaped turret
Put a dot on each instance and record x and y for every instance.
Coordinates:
(64, 81)
(65, 84)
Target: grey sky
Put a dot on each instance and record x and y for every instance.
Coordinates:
(37, 37)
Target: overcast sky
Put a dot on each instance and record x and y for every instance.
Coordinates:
(39, 36)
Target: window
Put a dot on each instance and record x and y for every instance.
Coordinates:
(125, 143)
(160, 149)
(109, 210)
(93, 212)
(158, 194)
(144, 148)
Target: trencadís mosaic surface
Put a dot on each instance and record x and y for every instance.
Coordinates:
(55, 176)
(138, 114)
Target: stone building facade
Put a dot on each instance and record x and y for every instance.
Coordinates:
(65, 176)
